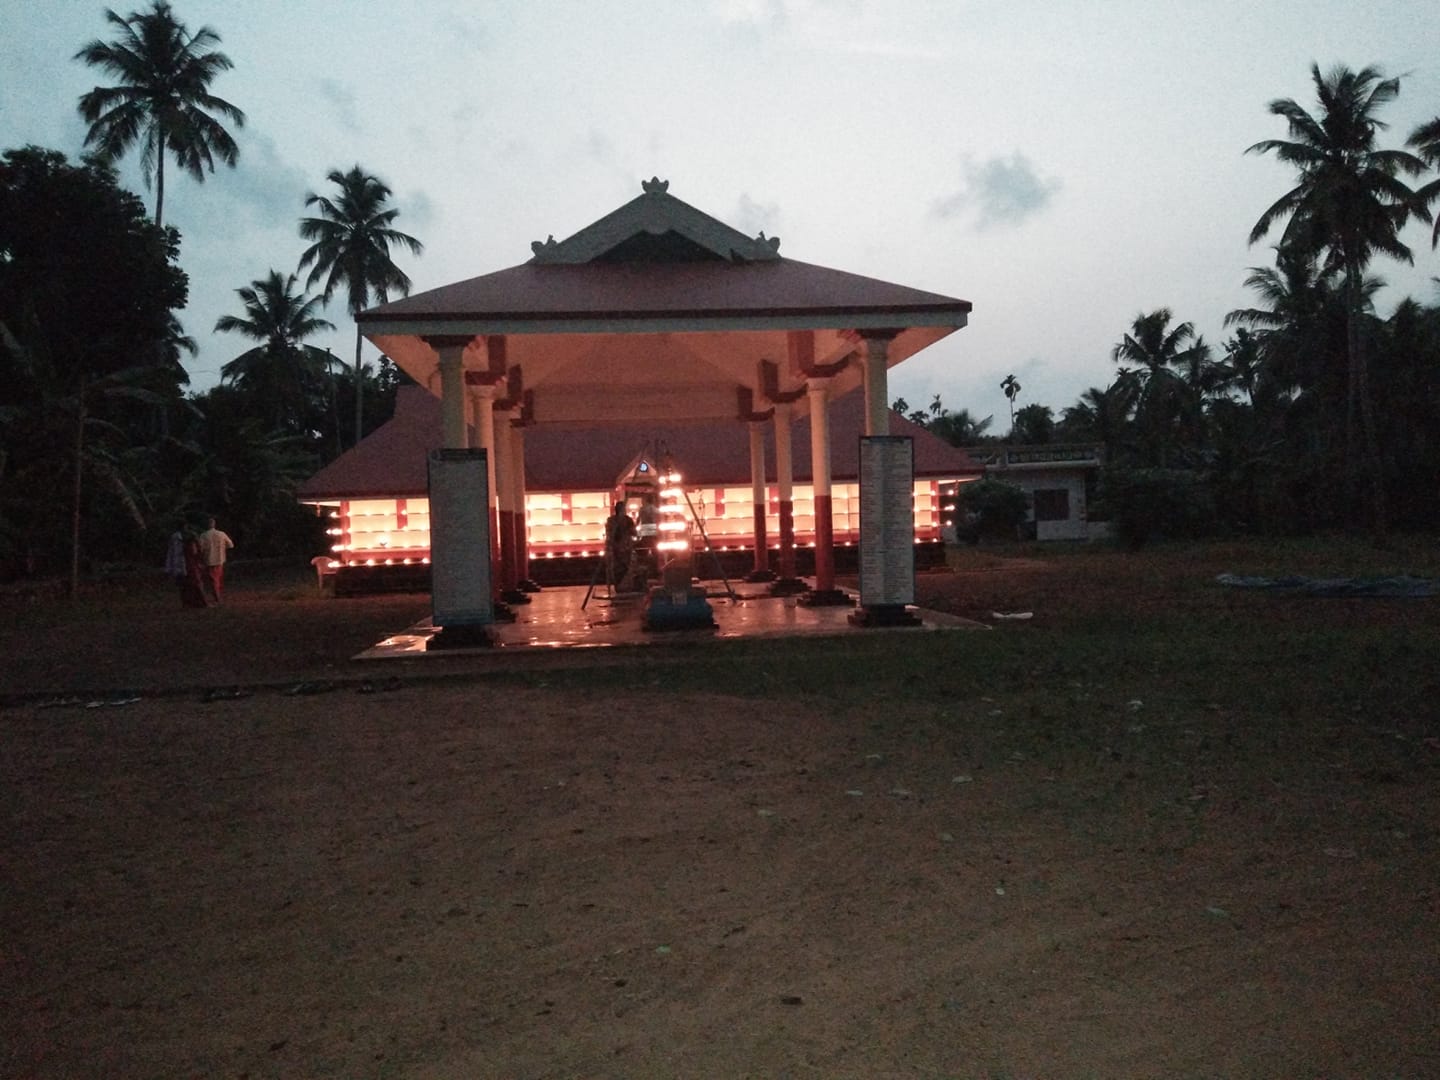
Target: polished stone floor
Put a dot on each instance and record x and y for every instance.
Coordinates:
(555, 618)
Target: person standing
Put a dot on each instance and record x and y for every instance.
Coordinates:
(213, 546)
(175, 556)
(619, 542)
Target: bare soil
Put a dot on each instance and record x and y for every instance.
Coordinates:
(452, 875)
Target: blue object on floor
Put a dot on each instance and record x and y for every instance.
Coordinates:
(677, 609)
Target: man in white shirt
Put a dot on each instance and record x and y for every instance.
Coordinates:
(213, 545)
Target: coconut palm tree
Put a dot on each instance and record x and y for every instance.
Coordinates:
(1010, 386)
(162, 99)
(1034, 424)
(350, 248)
(1153, 344)
(1104, 416)
(1173, 376)
(282, 373)
(1426, 141)
(1348, 204)
(960, 427)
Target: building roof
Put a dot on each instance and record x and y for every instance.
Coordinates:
(391, 461)
(657, 309)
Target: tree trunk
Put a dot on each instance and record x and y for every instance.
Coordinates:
(73, 586)
(1361, 404)
(160, 178)
(359, 390)
(334, 398)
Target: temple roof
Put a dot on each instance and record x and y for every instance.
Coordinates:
(657, 311)
(391, 461)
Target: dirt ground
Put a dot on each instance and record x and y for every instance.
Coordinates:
(459, 877)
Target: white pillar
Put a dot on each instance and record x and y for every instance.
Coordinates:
(452, 396)
(818, 392)
(484, 398)
(877, 401)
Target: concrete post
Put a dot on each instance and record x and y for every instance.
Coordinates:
(877, 400)
(452, 396)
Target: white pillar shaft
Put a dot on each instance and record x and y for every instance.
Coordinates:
(819, 436)
(452, 396)
(485, 428)
(877, 402)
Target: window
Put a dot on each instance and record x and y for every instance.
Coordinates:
(1052, 504)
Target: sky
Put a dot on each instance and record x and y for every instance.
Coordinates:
(1065, 167)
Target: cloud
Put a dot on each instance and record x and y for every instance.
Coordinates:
(752, 217)
(750, 12)
(999, 191)
(263, 189)
(418, 211)
(342, 104)
(465, 30)
(598, 147)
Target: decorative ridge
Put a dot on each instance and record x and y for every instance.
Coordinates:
(655, 213)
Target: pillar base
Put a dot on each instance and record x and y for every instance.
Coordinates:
(788, 586)
(502, 612)
(827, 598)
(756, 576)
(515, 596)
(467, 636)
(884, 615)
(527, 585)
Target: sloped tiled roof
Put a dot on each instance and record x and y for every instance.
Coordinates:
(391, 461)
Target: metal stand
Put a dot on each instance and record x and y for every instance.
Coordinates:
(700, 524)
(595, 577)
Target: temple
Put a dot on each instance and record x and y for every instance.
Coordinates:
(656, 329)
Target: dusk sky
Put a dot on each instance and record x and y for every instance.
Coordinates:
(1064, 167)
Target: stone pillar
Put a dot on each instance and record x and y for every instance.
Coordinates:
(824, 591)
(877, 399)
(452, 396)
(759, 495)
(877, 422)
(787, 583)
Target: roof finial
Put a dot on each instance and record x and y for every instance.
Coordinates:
(654, 186)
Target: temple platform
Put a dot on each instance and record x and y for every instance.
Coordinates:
(554, 619)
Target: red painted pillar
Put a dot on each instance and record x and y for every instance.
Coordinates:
(485, 428)
(505, 502)
(522, 538)
(820, 477)
(760, 497)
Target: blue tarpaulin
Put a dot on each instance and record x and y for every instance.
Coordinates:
(1401, 586)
